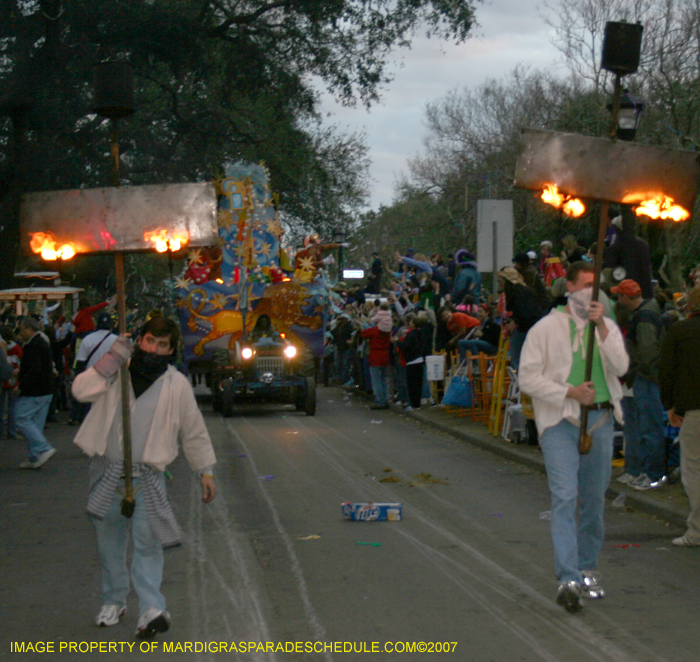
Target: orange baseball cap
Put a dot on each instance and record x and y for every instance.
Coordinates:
(628, 287)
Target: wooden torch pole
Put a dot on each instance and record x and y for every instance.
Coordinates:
(585, 437)
(128, 500)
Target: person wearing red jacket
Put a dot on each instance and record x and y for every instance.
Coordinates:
(83, 320)
(379, 337)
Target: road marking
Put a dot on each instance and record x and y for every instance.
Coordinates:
(319, 632)
(236, 581)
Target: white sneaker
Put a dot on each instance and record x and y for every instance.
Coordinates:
(649, 484)
(638, 480)
(626, 478)
(109, 615)
(40, 461)
(152, 621)
(684, 541)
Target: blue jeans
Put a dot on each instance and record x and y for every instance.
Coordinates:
(515, 347)
(379, 375)
(343, 365)
(30, 417)
(474, 347)
(577, 483)
(401, 386)
(146, 563)
(645, 443)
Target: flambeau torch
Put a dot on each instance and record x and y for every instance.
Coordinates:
(61, 224)
(658, 182)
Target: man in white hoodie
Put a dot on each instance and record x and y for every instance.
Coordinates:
(552, 369)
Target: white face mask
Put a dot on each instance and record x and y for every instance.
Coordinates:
(579, 303)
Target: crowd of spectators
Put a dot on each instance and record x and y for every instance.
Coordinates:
(378, 339)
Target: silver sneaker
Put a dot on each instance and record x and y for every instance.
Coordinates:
(109, 615)
(569, 596)
(638, 480)
(151, 622)
(591, 585)
(626, 478)
(649, 484)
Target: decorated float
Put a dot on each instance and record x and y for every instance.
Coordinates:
(227, 288)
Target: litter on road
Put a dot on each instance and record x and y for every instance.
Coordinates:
(372, 512)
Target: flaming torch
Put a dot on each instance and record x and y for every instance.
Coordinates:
(45, 244)
(569, 205)
(659, 182)
(113, 220)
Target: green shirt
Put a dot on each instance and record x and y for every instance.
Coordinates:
(578, 365)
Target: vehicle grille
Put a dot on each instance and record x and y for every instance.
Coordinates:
(273, 364)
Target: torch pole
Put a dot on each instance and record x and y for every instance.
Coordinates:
(128, 500)
(585, 439)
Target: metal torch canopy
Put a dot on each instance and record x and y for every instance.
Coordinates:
(603, 169)
(106, 220)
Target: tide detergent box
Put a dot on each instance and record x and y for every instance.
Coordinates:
(372, 512)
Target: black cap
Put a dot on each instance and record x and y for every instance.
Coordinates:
(522, 258)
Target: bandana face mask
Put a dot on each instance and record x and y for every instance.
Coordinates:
(579, 303)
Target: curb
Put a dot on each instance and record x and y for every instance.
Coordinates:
(671, 513)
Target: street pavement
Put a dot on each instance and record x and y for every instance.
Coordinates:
(271, 559)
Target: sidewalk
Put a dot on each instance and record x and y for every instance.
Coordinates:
(669, 502)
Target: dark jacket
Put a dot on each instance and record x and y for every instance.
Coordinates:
(643, 342)
(418, 342)
(468, 281)
(522, 303)
(36, 368)
(679, 366)
(491, 331)
(5, 366)
(536, 284)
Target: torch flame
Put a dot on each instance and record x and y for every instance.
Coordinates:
(45, 244)
(164, 240)
(574, 207)
(662, 207)
(570, 206)
(551, 196)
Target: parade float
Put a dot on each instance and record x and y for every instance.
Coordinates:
(244, 280)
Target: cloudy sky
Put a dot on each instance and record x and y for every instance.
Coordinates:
(509, 32)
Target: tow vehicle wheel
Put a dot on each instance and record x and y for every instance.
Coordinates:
(227, 400)
(310, 402)
(216, 398)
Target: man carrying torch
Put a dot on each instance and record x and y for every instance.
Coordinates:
(163, 409)
(552, 372)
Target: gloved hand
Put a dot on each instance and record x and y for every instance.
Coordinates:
(118, 353)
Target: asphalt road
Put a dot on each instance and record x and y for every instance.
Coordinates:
(271, 559)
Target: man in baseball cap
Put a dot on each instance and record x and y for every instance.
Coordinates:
(645, 454)
(629, 288)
